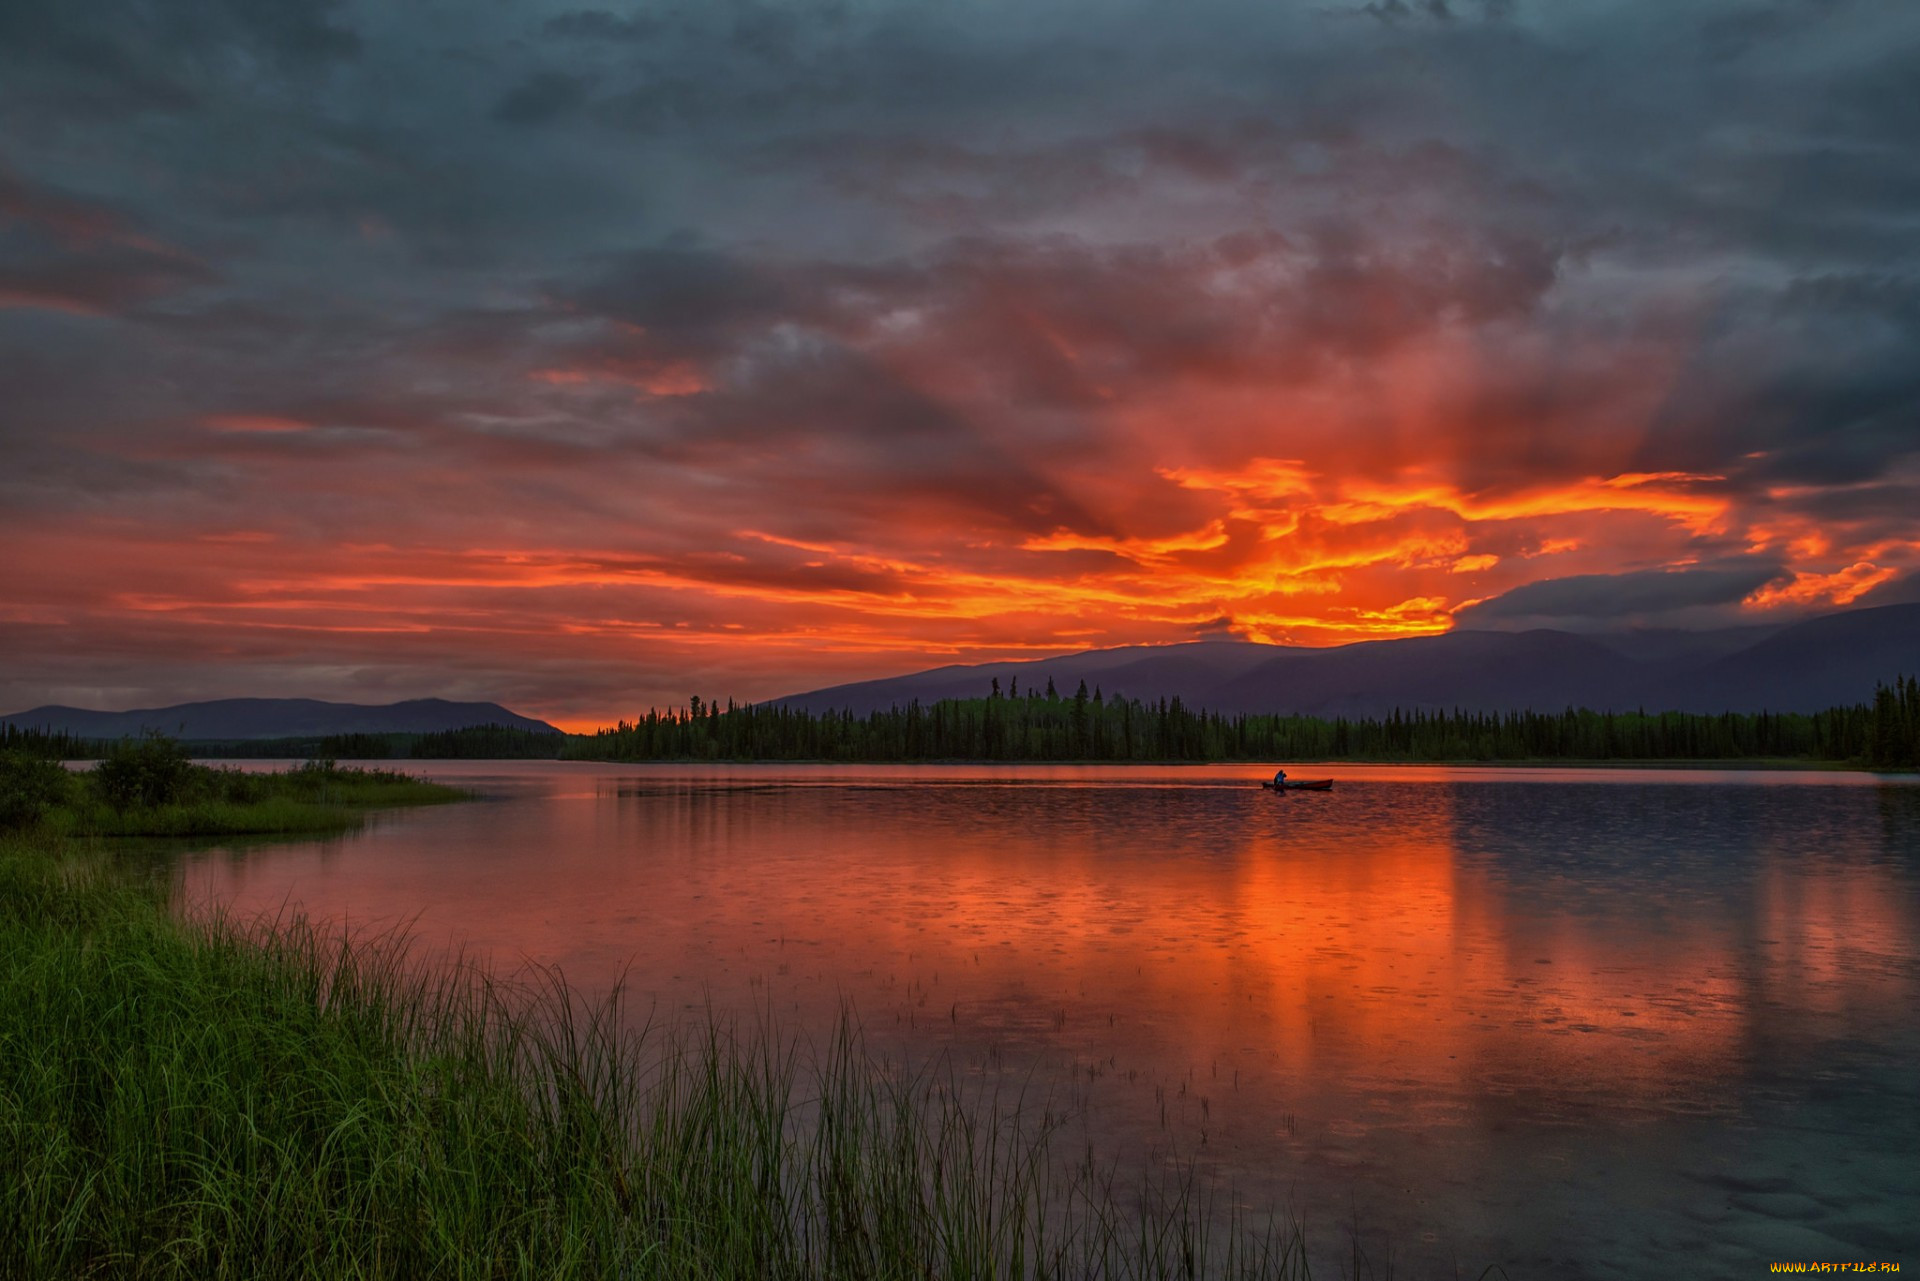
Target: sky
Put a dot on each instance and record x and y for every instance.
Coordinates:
(588, 358)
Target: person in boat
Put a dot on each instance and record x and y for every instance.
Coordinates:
(1279, 779)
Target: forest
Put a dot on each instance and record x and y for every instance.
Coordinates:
(1046, 726)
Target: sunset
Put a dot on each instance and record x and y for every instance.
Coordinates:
(585, 359)
(1024, 640)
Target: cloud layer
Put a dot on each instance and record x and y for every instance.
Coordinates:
(588, 358)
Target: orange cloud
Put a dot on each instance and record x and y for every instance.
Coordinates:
(1841, 587)
(1667, 494)
(244, 423)
(1139, 550)
(671, 378)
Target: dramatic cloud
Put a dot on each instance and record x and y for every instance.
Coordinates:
(589, 357)
(1658, 594)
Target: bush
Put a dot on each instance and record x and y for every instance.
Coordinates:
(144, 772)
(237, 787)
(29, 786)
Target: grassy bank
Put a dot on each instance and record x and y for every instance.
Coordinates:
(218, 1100)
(148, 787)
(306, 800)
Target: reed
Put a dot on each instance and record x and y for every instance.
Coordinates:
(213, 1098)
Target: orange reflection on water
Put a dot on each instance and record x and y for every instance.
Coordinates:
(1819, 932)
(1391, 956)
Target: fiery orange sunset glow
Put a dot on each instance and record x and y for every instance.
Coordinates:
(595, 390)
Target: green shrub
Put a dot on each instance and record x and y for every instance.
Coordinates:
(140, 773)
(238, 787)
(29, 786)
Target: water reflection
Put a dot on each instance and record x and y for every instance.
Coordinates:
(1573, 1024)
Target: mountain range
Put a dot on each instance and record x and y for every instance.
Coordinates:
(243, 718)
(1823, 662)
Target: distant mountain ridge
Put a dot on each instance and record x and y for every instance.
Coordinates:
(243, 718)
(1802, 667)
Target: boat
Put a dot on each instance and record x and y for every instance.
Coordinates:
(1300, 785)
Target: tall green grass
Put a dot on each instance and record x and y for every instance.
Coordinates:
(219, 1099)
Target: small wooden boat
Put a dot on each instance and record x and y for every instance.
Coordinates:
(1300, 785)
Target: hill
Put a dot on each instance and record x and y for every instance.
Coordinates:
(245, 718)
(1804, 667)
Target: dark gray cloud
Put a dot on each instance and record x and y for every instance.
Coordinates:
(1393, 12)
(690, 296)
(600, 24)
(1904, 590)
(289, 33)
(1641, 597)
(542, 97)
(36, 270)
(124, 56)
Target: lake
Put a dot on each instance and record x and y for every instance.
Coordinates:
(1607, 1023)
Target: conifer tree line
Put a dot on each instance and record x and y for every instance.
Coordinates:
(1045, 726)
(1893, 726)
(46, 745)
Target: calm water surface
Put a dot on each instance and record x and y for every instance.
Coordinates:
(1579, 1024)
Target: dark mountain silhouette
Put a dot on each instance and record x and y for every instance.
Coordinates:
(1836, 659)
(1664, 644)
(1468, 670)
(1202, 665)
(240, 718)
(1823, 662)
